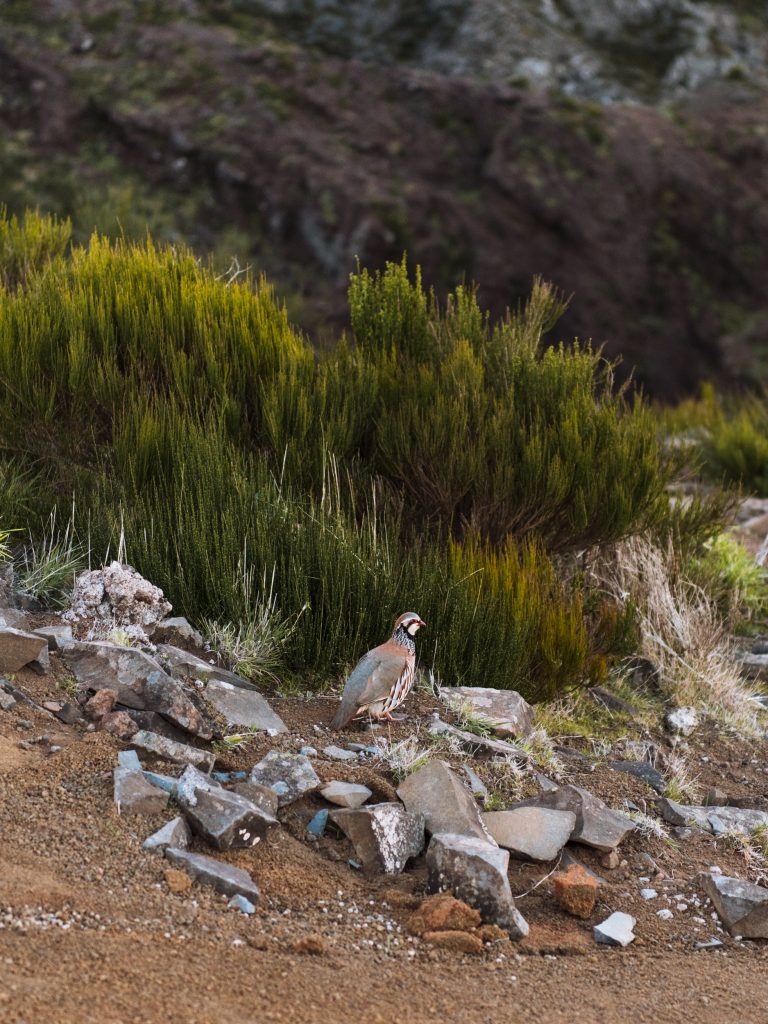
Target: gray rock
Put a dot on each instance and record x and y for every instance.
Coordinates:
(339, 754)
(264, 797)
(134, 795)
(385, 836)
(119, 595)
(545, 784)
(56, 637)
(741, 905)
(170, 750)
(175, 833)
(758, 647)
(18, 649)
(175, 630)
(611, 701)
(681, 721)
(165, 782)
(129, 759)
(289, 775)
(345, 794)
(754, 666)
(509, 713)
(14, 618)
(536, 832)
(616, 930)
(473, 743)
(7, 701)
(475, 871)
(643, 771)
(184, 665)
(476, 784)
(226, 819)
(243, 708)
(242, 904)
(741, 819)
(596, 824)
(190, 782)
(446, 805)
(139, 681)
(224, 878)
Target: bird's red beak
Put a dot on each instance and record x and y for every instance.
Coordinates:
(422, 623)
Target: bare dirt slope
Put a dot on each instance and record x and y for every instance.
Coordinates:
(90, 930)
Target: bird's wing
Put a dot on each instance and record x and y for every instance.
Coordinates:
(370, 680)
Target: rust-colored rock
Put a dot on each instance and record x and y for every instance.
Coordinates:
(443, 913)
(455, 942)
(119, 723)
(576, 891)
(492, 933)
(177, 881)
(100, 704)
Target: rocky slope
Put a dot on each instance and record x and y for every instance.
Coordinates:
(249, 130)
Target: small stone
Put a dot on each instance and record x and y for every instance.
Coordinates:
(308, 751)
(616, 930)
(177, 881)
(311, 945)
(170, 750)
(596, 824)
(242, 904)
(134, 795)
(345, 794)
(177, 630)
(709, 944)
(443, 912)
(476, 784)
(576, 891)
(339, 754)
(120, 724)
(455, 942)
(742, 906)
(57, 637)
(473, 743)
(610, 860)
(318, 824)
(7, 701)
(665, 914)
(175, 833)
(648, 894)
(225, 878)
(682, 721)
(716, 797)
(643, 771)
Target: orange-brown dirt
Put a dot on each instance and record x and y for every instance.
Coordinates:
(91, 932)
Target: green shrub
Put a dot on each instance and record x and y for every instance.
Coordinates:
(28, 244)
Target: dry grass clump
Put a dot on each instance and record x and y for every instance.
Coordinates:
(681, 631)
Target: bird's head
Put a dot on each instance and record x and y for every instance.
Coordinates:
(410, 622)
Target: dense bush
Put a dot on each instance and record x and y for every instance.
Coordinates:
(432, 460)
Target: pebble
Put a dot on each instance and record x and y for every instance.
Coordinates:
(308, 751)
(338, 754)
(665, 914)
(318, 824)
(648, 894)
(242, 904)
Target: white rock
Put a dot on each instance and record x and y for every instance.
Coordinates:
(616, 930)
(682, 721)
(665, 914)
(648, 894)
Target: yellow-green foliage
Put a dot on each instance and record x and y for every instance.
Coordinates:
(26, 245)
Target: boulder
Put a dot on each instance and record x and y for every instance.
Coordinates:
(473, 743)
(345, 794)
(385, 836)
(616, 930)
(19, 649)
(476, 872)
(139, 681)
(170, 750)
(118, 595)
(264, 797)
(741, 905)
(713, 819)
(224, 878)
(643, 771)
(241, 708)
(536, 832)
(175, 833)
(226, 819)
(288, 775)
(177, 630)
(439, 796)
(508, 712)
(596, 824)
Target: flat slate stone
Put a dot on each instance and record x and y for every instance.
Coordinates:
(18, 649)
(345, 794)
(596, 824)
(741, 819)
(170, 750)
(175, 833)
(536, 832)
(175, 629)
(385, 836)
(475, 871)
(288, 775)
(508, 712)
(224, 878)
(262, 796)
(56, 637)
(339, 753)
(616, 930)
(741, 905)
(184, 665)
(226, 819)
(473, 743)
(138, 680)
(436, 793)
(243, 708)
(135, 795)
(643, 771)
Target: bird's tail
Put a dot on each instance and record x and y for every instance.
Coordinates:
(343, 716)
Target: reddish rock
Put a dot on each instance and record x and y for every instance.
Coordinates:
(313, 945)
(576, 891)
(120, 724)
(610, 860)
(443, 913)
(455, 942)
(492, 933)
(177, 881)
(101, 703)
